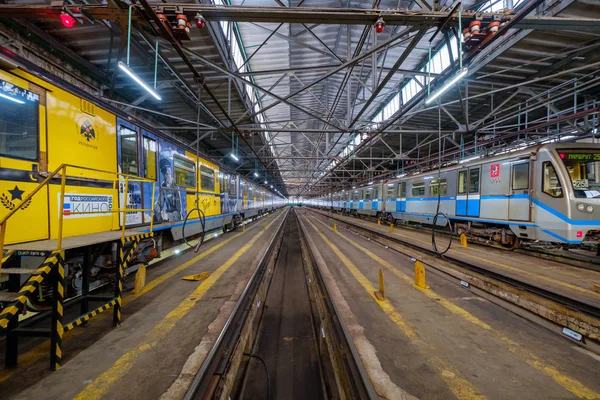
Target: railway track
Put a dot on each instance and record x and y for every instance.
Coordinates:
(225, 370)
(551, 309)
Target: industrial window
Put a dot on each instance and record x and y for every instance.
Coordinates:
(474, 180)
(19, 113)
(551, 184)
(185, 173)
(462, 182)
(438, 187)
(149, 158)
(520, 176)
(368, 194)
(402, 189)
(418, 188)
(207, 178)
(129, 150)
(390, 191)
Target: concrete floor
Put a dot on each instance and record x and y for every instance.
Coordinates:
(571, 281)
(446, 343)
(161, 328)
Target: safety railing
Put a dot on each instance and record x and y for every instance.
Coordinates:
(61, 172)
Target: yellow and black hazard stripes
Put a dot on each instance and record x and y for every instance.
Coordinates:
(125, 257)
(138, 238)
(56, 330)
(29, 288)
(86, 317)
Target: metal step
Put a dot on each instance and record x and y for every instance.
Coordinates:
(18, 271)
(8, 296)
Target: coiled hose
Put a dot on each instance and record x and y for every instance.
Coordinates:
(433, 243)
(202, 218)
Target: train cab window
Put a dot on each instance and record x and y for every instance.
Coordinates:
(391, 190)
(584, 170)
(402, 189)
(550, 182)
(418, 188)
(19, 114)
(368, 194)
(520, 178)
(207, 178)
(474, 180)
(462, 182)
(129, 150)
(149, 158)
(185, 173)
(438, 186)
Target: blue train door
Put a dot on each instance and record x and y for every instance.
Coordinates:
(461, 197)
(467, 199)
(473, 195)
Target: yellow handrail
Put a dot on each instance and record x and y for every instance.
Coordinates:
(62, 169)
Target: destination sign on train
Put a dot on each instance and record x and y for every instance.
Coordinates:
(581, 156)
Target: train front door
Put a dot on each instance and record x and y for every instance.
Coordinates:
(518, 200)
(468, 197)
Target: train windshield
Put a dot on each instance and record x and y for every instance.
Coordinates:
(584, 169)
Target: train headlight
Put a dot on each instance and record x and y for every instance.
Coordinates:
(580, 207)
(589, 209)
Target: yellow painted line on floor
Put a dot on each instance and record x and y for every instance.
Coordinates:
(461, 388)
(505, 266)
(40, 350)
(100, 386)
(570, 384)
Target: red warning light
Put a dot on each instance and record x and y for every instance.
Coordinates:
(379, 25)
(579, 233)
(562, 155)
(67, 20)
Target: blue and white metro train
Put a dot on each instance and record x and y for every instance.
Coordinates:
(548, 193)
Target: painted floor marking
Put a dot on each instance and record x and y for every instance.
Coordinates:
(570, 384)
(100, 386)
(42, 349)
(461, 388)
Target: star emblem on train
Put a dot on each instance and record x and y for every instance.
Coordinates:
(15, 194)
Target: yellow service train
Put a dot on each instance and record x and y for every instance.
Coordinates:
(44, 124)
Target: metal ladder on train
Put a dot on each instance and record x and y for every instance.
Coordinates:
(51, 272)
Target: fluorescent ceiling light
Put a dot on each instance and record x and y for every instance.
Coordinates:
(400, 176)
(469, 159)
(266, 182)
(256, 174)
(448, 85)
(133, 76)
(11, 99)
(234, 157)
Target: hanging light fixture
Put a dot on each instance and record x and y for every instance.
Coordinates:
(461, 73)
(133, 76)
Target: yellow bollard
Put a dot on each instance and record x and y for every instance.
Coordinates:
(420, 275)
(140, 279)
(243, 227)
(264, 228)
(463, 240)
(378, 221)
(334, 227)
(380, 294)
(391, 228)
(597, 288)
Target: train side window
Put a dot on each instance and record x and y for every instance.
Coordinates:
(474, 180)
(376, 193)
(520, 179)
(19, 114)
(207, 178)
(402, 189)
(368, 194)
(440, 186)
(232, 188)
(129, 150)
(149, 158)
(462, 182)
(418, 188)
(185, 172)
(390, 191)
(550, 182)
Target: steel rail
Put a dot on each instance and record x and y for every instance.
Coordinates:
(573, 304)
(361, 384)
(225, 343)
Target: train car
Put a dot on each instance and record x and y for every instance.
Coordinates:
(112, 163)
(549, 193)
